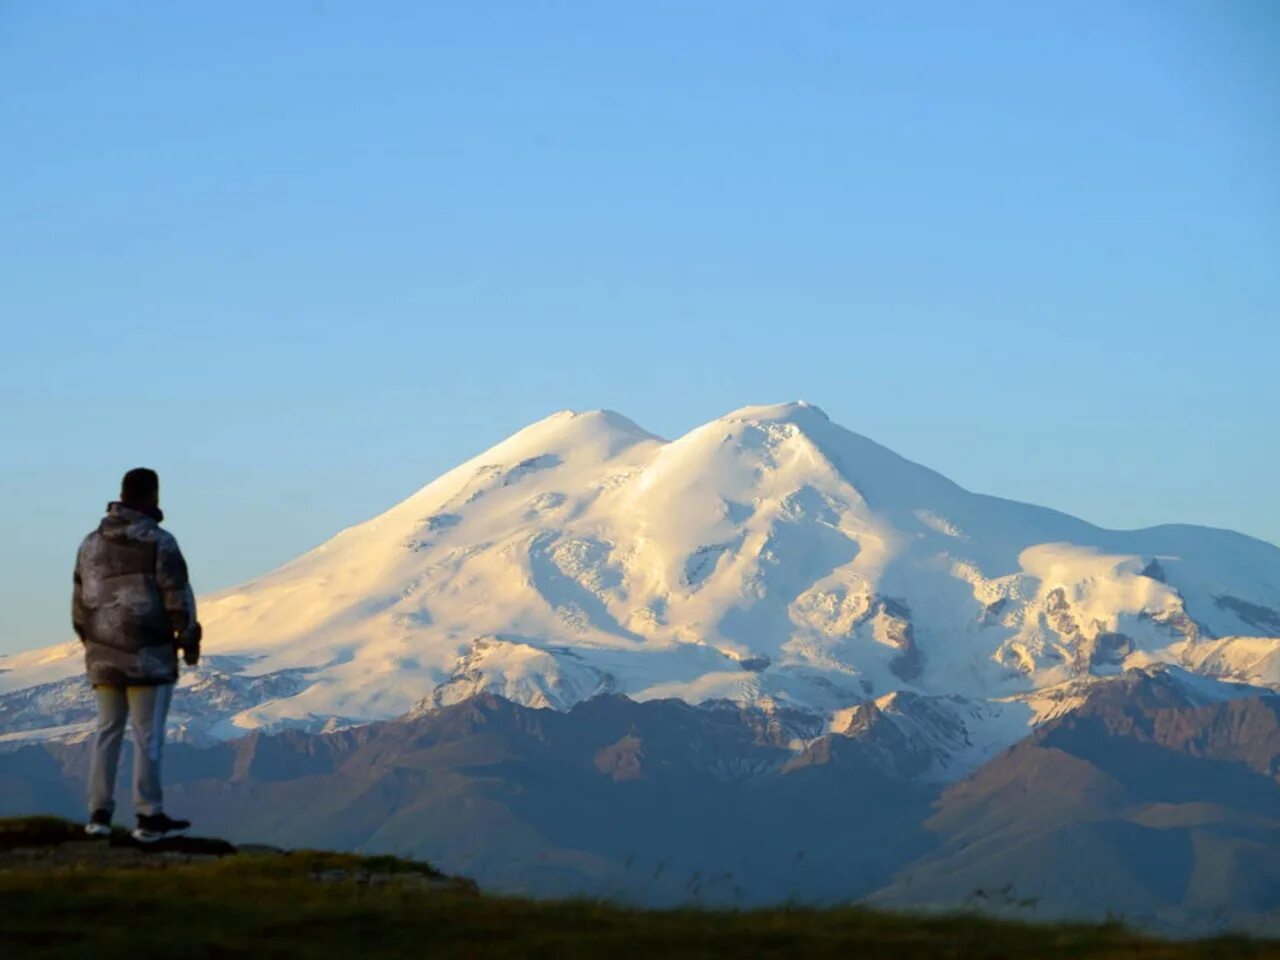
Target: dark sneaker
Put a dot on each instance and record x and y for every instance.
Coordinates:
(154, 826)
(99, 824)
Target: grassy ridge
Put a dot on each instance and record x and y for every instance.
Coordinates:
(337, 905)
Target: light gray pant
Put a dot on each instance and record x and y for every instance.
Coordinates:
(148, 708)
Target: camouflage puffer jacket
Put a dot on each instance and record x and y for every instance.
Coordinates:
(132, 606)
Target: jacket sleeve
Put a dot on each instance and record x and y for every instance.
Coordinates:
(171, 577)
(79, 614)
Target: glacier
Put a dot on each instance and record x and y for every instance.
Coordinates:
(769, 558)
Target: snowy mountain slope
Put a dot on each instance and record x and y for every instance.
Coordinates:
(768, 557)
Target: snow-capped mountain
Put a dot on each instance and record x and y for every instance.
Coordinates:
(769, 557)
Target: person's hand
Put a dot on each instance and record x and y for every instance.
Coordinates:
(189, 644)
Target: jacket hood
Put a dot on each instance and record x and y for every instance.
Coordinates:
(121, 516)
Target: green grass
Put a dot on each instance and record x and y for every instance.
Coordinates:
(266, 906)
(27, 831)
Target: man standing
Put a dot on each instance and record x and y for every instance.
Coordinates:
(133, 610)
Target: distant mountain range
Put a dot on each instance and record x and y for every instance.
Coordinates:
(1143, 803)
(768, 659)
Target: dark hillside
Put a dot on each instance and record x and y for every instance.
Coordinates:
(63, 896)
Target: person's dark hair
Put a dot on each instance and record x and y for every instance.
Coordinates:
(140, 485)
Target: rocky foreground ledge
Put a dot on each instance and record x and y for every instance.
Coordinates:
(62, 895)
(34, 844)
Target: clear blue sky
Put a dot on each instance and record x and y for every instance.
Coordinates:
(302, 257)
